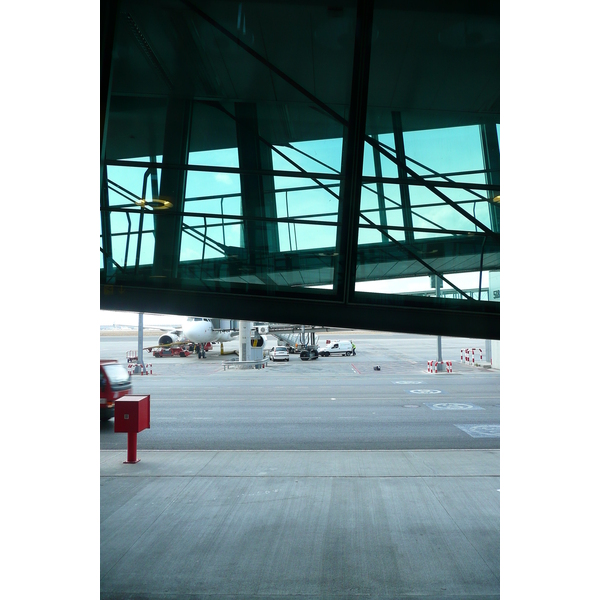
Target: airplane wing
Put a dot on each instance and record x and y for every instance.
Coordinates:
(292, 328)
(175, 330)
(225, 335)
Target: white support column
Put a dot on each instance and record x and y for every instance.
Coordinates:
(245, 329)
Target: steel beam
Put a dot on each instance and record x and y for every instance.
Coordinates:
(352, 156)
(168, 224)
(402, 314)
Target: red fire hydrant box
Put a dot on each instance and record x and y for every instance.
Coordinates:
(132, 414)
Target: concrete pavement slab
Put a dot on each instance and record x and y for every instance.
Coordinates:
(155, 463)
(450, 463)
(304, 463)
(312, 524)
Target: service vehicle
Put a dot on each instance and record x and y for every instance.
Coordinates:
(115, 382)
(341, 347)
(181, 351)
(279, 353)
(309, 353)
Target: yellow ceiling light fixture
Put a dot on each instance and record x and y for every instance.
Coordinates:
(156, 204)
(496, 199)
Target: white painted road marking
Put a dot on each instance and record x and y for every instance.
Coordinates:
(481, 431)
(453, 406)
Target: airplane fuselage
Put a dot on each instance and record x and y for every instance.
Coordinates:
(200, 331)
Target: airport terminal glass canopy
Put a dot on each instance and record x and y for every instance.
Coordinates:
(330, 162)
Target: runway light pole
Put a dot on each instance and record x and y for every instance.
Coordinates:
(140, 366)
(436, 282)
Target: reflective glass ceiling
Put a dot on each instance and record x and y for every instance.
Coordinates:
(342, 154)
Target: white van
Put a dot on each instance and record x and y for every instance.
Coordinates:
(342, 347)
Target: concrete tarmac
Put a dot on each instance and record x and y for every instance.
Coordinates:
(335, 403)
(307, 524)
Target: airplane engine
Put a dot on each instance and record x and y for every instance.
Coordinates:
(169, 338)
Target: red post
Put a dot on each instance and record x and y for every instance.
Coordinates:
(131, 448)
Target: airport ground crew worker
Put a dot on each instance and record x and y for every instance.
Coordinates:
(353, 348)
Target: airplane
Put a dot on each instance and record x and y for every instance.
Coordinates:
(199, 331)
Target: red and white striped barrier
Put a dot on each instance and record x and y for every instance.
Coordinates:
(465, 352)
(432, 365)
(144, 369)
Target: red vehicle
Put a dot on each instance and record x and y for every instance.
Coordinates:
(172, 351)
(115, 382)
